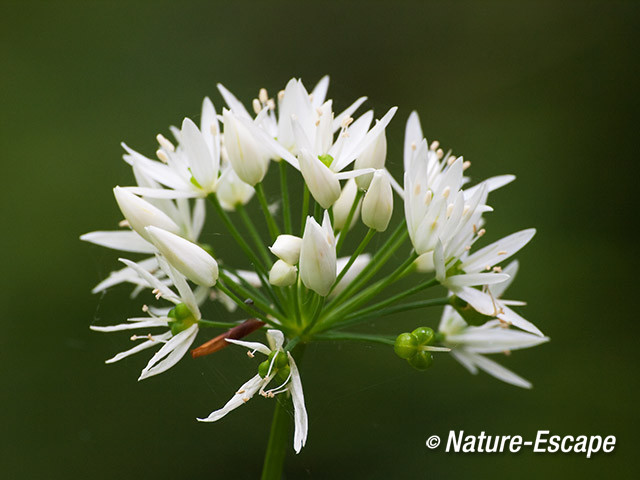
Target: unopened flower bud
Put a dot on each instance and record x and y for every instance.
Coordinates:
(282, 274)
(233, 191)
(343, 205)
(372, 157)
(318, 256)
(186, 257)
(140, 213)
(377, 206)
(247, 158)
(287, 248)
(322, 182)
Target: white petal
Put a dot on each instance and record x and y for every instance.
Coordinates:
(124, 240)
(243, 395)
(412, 138)
(152, 281)
(153, 342)
(257, 346)
(275, 338)
(170, 353)
(516, 320)
(300, 418)
(337, 122)
(187, 257)
(204, 167)
(319, 92)
(149, 323)
(498, 251)
(471, 279)
(500, 372)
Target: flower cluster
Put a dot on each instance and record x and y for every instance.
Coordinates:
(295, 285)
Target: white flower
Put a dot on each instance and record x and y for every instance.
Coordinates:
(287, 248)
(318, 256)
(468, 343)
(488, 301)
(186, 257)
(342, 206)
(282, 274)
(321, 181)
(140, 213)
(189, 170)
(305, 127)
(247, 156)
(377, 206)
(233, 191)
(183, 329)
(257, 384)
(373, 156)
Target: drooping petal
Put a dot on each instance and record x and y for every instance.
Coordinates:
(170, 353)
(300, 418)
(242, 396)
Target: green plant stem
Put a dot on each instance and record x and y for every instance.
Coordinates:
(357, 337)
(259, 243)
(305, 208)
(248, 295)
(279, 436)
(378, 310)
(247, 308)
(278, 440)
(236, 234)
(347, 224)
(271, 222)
(284, 187)
(371, 292)
(353, 258)
(212, 324)
(379, 259)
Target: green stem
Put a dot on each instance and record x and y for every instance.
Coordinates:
(278, 440)
(305, 208)
(248, 294)
(371, 292)
(279, 436)
(385, 252)
(271, 222)
(254, 235)
(347, 225)
(378, 310)
(247, 308)
(236, 234)
(357, 337)
(353, 258)
(212, 324)
(284, 187)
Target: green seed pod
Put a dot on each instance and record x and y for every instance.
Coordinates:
(283, 373)
(406, 345)
(421, 360)
(424, 335)
(281, 360)
(263, 368)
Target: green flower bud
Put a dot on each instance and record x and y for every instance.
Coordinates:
(281, 360)
(263, 368)
(424, 335)
(283, 373)
(183, 318)
(421, 360)
(406, 345)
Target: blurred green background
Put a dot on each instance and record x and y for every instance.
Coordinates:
(544, 90)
